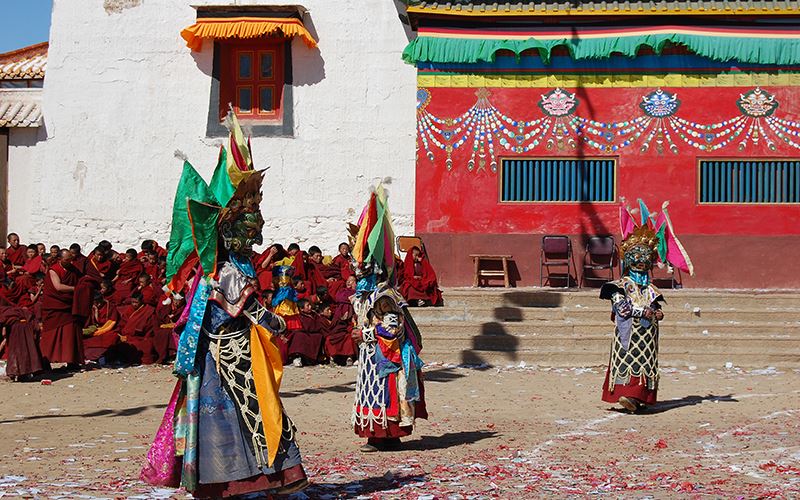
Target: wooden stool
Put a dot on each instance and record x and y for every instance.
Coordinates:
(490, 273)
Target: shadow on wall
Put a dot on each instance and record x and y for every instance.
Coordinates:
(494, 337)
(308, 67)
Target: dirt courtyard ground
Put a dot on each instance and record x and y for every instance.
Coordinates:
(514, 432)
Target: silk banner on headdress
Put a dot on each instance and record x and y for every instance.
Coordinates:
(676, 254)
(181, 244)
(626, 223)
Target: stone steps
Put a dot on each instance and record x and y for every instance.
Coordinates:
(573, 328)
(587, 313)
(685, 298)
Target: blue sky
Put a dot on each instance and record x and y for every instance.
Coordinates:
(24, 22)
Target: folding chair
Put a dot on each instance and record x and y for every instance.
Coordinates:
(599, 256)
(556, 252)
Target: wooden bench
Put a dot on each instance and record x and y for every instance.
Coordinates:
(490, 273)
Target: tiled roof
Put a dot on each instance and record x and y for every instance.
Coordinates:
(611, 7)
(24, 64)
(20, 107)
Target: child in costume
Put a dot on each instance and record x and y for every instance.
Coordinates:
(389, 388)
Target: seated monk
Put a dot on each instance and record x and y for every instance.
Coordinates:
(55, 251)
(15, 253)
(167, 313)
(340, 266)
(126, 280)
(100, 333)
(109, 292)
(150, 294)
(42, 250)
(419, 286)
(33, 261)
(33, 291)
(264, 262)
(337, 328)
(97, 269)
(22, 351)
(305, 344)
(137, 332)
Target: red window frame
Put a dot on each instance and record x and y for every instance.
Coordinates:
(231, 83)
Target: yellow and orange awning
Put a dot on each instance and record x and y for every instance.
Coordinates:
(244, 27)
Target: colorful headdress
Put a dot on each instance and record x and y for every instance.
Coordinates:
(374, 241)
(199, 208)
(656, 232)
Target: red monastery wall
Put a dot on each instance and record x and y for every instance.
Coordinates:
(458, 211)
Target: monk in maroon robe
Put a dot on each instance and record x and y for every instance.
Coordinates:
(150, 294)
(305, 343)
(137, 332)
(419, 285)
(167, 315)
(264, 262)
(127, 276)
(97, 269)
(79, 261)
(339, 268)
(22, 351)
(61, 340)
(101, 332)
(337, 328)
(15, 253)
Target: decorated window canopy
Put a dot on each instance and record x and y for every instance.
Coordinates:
(472, 43)
(242, 23)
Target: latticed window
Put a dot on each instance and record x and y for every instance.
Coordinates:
(749, 181)
(252, 79)
(558, 179)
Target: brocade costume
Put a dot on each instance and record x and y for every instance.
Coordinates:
(632, 375)
(633, 364)
(389, 388)
(224, 432)
(389, 392)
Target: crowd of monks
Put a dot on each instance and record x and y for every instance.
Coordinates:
(58, 305)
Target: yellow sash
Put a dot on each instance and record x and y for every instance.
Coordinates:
(267, 374)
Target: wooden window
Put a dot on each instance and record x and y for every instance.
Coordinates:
(749, 181)
(252, 79)
(558, 179)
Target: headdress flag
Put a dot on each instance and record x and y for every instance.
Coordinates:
(197, 207)
(669, 248)
(676, 254)
(626, 223)
(644, 212)
(375, 238)
(181, 242)
(221, 184)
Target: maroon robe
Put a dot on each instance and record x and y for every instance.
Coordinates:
(419, 280)
(337, 332)
(138, 328)
(79, 262)
(16, 256)
(307, 341)
(34, 265)
(125, 283)
(87, 285)
(22, 351)
(62, 339)
(97, 346)
(164, 341)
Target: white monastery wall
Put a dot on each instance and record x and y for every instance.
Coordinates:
(123, 92)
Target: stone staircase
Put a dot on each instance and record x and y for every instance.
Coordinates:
(548, 327)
